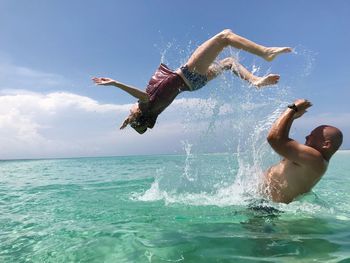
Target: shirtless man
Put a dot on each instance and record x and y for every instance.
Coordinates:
(302, 165)
(166, 84)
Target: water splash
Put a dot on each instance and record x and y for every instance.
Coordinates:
(187, 170)
(308, 59)
(237, 120)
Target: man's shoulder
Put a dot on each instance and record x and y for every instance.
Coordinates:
(316, 163)
(314, 155)
(309, 158)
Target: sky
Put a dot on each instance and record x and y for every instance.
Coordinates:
(50, 50)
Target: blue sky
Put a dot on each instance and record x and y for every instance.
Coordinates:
(49, 50)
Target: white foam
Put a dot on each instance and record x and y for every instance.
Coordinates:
(232, 195)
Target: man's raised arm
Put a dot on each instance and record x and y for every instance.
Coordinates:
(279, 140)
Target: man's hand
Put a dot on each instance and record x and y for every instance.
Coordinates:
(103, 81)
(301, 105)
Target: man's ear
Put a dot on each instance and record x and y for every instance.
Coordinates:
(125, 123)
(327, 144)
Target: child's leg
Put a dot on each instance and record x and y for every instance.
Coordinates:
(233, 65)
(206, 53)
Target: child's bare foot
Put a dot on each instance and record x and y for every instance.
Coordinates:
(270, 79)
(272, 52)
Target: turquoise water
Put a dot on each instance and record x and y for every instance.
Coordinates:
(169, 208)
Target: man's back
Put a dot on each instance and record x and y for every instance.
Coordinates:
(287, 180)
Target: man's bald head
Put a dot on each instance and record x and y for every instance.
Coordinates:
(332, 137)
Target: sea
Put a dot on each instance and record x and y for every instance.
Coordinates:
(166, 208)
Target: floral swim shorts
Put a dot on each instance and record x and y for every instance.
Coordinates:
(196, 80)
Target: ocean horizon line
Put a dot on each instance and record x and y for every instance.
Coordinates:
(122, 156)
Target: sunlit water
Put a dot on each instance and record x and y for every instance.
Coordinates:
(112, 210)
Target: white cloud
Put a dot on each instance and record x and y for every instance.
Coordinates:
(340, 120)
(61, 124)
(52, 125)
